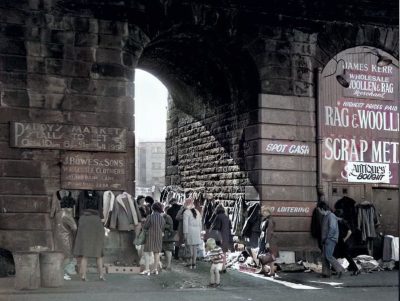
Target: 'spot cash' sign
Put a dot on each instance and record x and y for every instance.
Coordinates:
(360, 124)
(97, 171)
(68, 137)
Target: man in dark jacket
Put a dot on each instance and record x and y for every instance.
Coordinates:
(172, 212)
(329, 239)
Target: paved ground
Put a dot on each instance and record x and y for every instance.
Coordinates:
(184, 284)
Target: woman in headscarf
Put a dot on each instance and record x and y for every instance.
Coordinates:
(267, 240)
(191, 230)
(154, 227)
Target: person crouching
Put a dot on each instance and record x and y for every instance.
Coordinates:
(216, 256)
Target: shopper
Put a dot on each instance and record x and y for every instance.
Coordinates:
(191, 230)
(222, 225)
(329, 239)
(342, 249)
(216, 256)
(168, 240)
(90, 238)
(267, 240)
(172, 212)
(154, 227)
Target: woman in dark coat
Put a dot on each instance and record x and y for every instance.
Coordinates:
(222, 225)
(267, 239)
(154, 227)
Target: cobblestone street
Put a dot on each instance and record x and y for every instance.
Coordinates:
(185, 284)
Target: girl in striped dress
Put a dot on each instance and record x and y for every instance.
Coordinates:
(154, 227)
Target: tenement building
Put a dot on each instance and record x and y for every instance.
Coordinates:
(279, 102)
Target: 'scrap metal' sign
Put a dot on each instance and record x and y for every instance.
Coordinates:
(95, 171)
(67, 137)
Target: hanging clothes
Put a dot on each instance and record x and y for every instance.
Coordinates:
(126, 214)
(367, 220)
(108, 205)
(348, 205)
(252, 226)
(64, 230)
(316, 226)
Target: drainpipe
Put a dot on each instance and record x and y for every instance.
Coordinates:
(319, 138)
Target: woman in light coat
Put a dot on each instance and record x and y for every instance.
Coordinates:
(191, 230)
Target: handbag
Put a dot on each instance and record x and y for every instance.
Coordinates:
(184, 252)
(266, 257)
(169, 235)
(140, 239)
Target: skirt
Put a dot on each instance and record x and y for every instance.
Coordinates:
(168, 245)
(89, 240)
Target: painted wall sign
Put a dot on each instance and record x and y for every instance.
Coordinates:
(287, 148)
(368, 172)
(370, 81)
(98, 171)
(360, 124)
(67, 137)
(291, 208)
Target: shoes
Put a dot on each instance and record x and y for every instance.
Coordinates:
(85, 279)
(188, 265)
(168, 269)
(269, 275)
(145, 272)
(155, 272)
(67, 277)
(355, 273)
(324, 276)
(340, 274)
(213, 285)
(102, 278)
(193, 266)
(223, 271)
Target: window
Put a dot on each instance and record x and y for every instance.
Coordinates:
(156, 165)
(156, 149)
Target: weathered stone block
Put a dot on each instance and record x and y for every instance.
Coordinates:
(273, 116)
(86, 25)
(86, 39)
(86, 54)
(25, 221)
(17, 240)
(287, 102)
(45, 83)
(111, 56)
(13, 80)
(14, 98)
(22, 169)
(110, 41)
(62, 37)
(113, 27)
(24, 204)
(102, 70)
(22, 186)
(15, 47)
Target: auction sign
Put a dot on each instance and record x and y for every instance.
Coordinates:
(360, 123)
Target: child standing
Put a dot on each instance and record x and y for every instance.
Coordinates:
(216, 256)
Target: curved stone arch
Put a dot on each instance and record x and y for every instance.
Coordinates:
(337, 37)
(195, 64)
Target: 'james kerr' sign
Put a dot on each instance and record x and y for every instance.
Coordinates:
(97, 171)
(67, 137)
(360, 124)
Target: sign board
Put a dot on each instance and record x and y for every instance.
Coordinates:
(67, 137)
(291, 208)
(360, 124)
(288, 148)
(97, 171)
